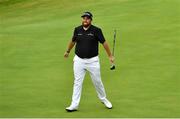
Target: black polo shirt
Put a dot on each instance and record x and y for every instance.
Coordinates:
(87, 41)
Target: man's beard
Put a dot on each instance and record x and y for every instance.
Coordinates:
(86, 25)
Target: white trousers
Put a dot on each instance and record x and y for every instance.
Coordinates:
(91, 65)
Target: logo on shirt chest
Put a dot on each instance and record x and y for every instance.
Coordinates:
(90, 34)
(79, 34)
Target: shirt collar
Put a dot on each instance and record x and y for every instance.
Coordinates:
(87, 29)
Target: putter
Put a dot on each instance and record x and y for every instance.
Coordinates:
(114, 41)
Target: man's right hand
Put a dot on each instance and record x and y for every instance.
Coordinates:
(66, 54)
(70, 46)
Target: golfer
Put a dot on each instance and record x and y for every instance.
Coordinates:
(86, 37)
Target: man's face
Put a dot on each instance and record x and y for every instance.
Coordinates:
(86, 21)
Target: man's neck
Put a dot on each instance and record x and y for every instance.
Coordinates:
(86, 28)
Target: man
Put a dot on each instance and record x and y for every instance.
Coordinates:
(87, 37)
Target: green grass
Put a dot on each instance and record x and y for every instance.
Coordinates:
(36, 81)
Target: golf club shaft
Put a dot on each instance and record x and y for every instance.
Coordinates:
(113, 51)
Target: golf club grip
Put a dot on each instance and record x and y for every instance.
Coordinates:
(114, 41)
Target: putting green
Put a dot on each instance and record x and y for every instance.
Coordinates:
(36, 81)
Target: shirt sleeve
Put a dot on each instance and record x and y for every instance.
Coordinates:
(74, 37)
(100, 36)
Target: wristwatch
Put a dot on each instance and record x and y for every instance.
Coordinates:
(68, 51)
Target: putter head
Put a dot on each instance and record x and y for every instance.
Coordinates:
(112, 67)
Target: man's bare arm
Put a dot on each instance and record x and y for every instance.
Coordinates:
(69, 47)
(108, 51)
